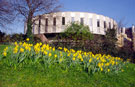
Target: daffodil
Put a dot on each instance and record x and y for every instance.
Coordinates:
(6, 49)
(15, 43)
(4, 54)
(55, 56)
(108, 70)
(50, 54)
(90, 60)
(68, 54)
(73, 58)
(81, 59)
(27, 39)
(21, 50)
(54, 49)
(65, 49)
(101, 69)
(15, 50)
(45, 52)
(60, 59)
(20, 43)
(60, 48)
(40, 43)
(29, 49)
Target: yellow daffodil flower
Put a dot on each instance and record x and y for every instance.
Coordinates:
(21, 50)
(27, 39)
(55, 56)
(50, 54)
(4, 54)
(73, 58)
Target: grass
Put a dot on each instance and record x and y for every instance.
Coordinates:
(2, 47)
(36, 77)
(33, 76)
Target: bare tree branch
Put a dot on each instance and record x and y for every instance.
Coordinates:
(32, 8)
(6, 13)
(35, 7)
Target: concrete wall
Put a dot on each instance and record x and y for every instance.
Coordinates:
(87, 18)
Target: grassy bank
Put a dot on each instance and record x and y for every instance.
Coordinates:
(57, 75)
(37, 77)
(2, 47)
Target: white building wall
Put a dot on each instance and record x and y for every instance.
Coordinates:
(42, 26)
(68, 19)
(36, 27)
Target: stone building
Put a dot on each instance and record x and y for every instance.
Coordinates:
(126, 37)
(57, 22)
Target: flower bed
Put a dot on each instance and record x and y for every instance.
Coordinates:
(44, 55)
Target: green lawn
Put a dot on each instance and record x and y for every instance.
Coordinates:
(36, 77)
(55, 77)
(2, 47)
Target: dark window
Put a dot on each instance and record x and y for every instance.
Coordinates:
(109, 25)
(104, 24)
(39, 24)
(63, 20)
(98, 23)
(46, 25)
(33, 28)
(82, 21)
(54, 21)
(121, 30)
(46, 22)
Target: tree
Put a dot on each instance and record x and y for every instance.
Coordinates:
(32, 8)
(121, 24)
(78, 31)
(2, 34)
(109, 44)
(6, 13)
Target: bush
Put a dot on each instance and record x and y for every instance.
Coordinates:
(8, 39)
(2, 34)
(18, 37)
(109, 44)
(75, 36)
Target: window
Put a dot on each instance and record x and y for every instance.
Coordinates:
(54, 21)
(109, 25)
(39, 24)
(98, 23)
(63, 20)
(104, 24)
(46, 22)
(33, 28)
(90, 21)
(46, 25)
(72, 19)
(82, 21)
(121, 30)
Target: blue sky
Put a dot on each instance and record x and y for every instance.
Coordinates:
(116, 9)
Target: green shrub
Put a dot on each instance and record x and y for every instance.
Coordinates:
(75, 36)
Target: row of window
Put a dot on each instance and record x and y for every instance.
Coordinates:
(81, 22)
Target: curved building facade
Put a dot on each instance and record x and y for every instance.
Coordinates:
(57, 22)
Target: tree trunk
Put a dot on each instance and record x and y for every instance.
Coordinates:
(29, 28)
